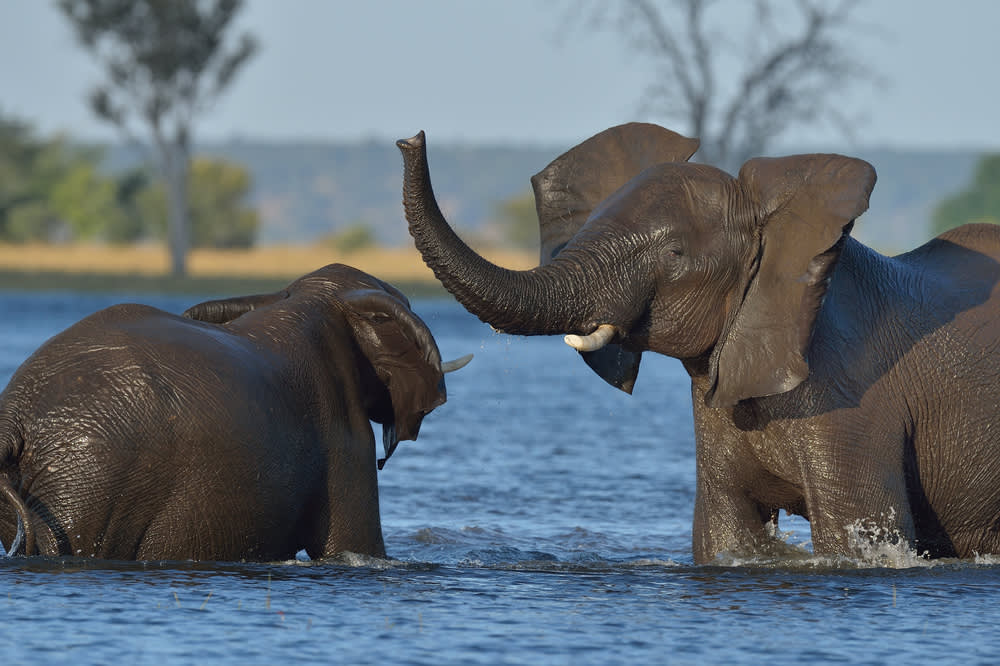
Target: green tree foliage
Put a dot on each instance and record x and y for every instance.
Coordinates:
(220, 216)
(86, 201)
(166, 61)
(352, 238)
(979, 203)
(130, 225)
(50, 188)
(18, 153)
(518, 221)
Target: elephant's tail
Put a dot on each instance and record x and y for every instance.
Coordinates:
(25, 533)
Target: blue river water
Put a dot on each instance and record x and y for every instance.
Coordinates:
(542, 517)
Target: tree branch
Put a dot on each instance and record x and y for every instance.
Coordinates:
(787, 75)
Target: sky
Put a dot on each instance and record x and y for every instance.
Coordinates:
(516, 71)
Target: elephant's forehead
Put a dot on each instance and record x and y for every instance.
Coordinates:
(695, 190)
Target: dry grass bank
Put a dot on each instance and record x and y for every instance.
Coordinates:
(95, 266)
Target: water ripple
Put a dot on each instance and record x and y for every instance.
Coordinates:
(522, 527)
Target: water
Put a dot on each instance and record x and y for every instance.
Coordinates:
(542, 517)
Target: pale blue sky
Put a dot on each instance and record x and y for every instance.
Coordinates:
(504, 71)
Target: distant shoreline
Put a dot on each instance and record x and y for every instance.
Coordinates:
(145, 268)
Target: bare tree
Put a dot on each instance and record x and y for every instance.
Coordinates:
(738, 93)
(165, 61)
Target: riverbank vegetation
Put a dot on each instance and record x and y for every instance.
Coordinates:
(146, 267)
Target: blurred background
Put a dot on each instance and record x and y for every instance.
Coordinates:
(168, 128)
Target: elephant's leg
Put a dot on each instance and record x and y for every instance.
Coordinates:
(858, 499)
(368, 544)
(360, 533)
(348, 519)
(864, 521)
(727, 522)
(727, 518)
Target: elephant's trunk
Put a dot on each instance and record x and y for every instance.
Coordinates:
(551, 299)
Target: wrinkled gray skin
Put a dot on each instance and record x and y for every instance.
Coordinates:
(828, 380)
(138, 434)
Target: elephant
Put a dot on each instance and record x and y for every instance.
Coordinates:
(858, 390)
(238, 431)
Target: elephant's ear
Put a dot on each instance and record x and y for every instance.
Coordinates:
(405, 359)
(575, 182)
(805, 206)
(227, 309)
(570, 187)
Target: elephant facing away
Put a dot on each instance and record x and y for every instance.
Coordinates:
(855, 389)
(239, 431)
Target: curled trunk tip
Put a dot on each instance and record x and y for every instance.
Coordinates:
(416, 141)
(541, 301)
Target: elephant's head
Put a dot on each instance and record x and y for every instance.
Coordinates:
(402, 375)
(642, 250)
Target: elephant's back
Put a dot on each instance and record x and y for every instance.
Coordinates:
(956, 280)
(971, 250)
(979, 237)
(131, 389)
(126, 338)
(135, 372)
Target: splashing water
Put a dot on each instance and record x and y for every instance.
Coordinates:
(878, 546)
(872, 545)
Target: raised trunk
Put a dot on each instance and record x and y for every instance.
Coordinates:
(551, 299)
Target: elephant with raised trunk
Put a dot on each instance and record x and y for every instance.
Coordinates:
(828, 380)
(239, 431)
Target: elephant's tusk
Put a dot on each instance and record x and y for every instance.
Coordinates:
(592, 342)
(18, 539)
(457, 364)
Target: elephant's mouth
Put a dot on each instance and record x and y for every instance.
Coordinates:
(606, 351)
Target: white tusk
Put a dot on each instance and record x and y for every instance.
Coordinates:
(457, 364)
(592, 342)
